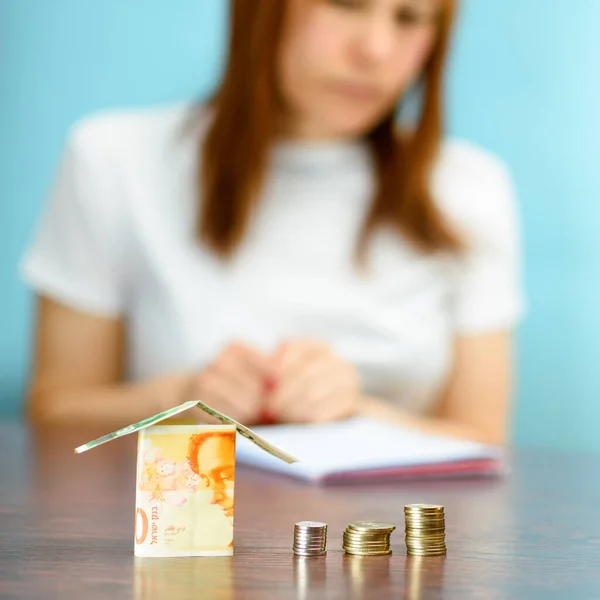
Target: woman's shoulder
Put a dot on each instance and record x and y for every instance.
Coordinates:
(465, 163)
(473, 185)
(135, 131)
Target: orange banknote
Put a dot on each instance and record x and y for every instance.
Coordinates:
(185, 490)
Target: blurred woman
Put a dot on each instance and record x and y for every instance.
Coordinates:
(290, 251)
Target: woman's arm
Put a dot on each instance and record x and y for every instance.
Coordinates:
(315, 385)
(476, 402)
(77, 376)
(77, 372)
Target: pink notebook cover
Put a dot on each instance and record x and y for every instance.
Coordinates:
(453, 469)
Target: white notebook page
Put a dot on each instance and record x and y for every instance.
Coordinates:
(358, 443)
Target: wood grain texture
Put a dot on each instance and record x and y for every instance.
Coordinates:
(66, 531)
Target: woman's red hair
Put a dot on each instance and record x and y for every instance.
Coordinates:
(235, 152)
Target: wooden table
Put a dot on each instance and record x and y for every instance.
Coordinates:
(66, 531)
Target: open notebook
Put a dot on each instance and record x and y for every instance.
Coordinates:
(364, 448)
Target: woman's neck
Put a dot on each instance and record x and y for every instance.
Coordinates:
(293, 129)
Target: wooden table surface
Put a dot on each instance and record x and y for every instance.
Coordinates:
(66, 531)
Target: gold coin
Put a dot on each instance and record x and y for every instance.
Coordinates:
(370, 526)
(422, 544)
(371, 533)
(359, 543)
(367, 553)
(424, 507)
(359, 540)
(366, 548)
(366, 540)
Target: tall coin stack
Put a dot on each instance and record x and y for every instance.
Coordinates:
(368, 538)
(310, 538)
(425, 529)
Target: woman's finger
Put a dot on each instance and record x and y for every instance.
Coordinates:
(226, 395)
(243, 365)
(291, 356)
(294, 386)
(314, 395)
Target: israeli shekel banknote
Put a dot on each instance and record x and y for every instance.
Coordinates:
(185, 483)
(173, 412)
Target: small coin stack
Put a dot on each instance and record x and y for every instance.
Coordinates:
(368, 538)
(425, 529)
(310, 538)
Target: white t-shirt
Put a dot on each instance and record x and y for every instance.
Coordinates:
(117, 239)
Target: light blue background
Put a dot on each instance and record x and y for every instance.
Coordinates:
(525, 82)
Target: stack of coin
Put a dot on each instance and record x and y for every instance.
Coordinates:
(368, 538)
(425, 529)
(310, 538)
